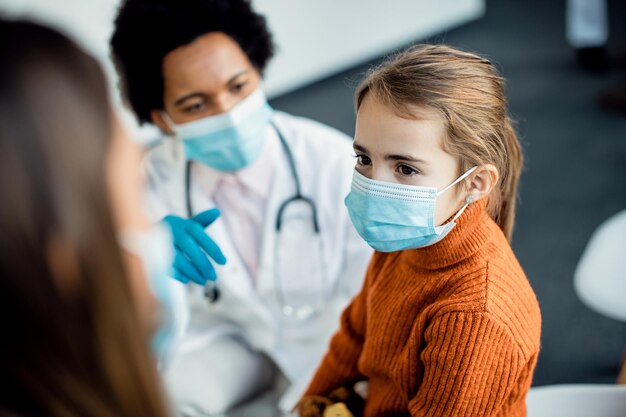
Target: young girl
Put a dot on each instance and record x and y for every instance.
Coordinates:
(446, 323)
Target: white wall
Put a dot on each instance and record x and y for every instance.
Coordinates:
(88, 22)
(315, 38)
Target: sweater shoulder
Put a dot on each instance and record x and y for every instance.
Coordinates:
(511, 301)
(493, 284)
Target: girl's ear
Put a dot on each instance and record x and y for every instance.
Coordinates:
(481, 182)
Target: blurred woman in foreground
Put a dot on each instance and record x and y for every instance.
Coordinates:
(77, 311)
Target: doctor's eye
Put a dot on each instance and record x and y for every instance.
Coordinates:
(196, 107)
(406, 170)
(237, 88)
(363, 160)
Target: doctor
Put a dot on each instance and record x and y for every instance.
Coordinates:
(268, 278)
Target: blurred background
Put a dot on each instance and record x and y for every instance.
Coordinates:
(566, 102)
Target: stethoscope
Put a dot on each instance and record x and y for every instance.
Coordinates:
(211, 289)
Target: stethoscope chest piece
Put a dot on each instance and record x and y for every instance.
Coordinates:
(211, 292)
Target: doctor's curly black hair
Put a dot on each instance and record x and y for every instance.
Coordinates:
(147, 30)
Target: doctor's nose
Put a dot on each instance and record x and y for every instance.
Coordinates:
(223, 104)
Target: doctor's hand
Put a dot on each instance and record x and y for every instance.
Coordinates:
(194, 247)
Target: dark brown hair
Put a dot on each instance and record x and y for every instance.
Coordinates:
(468, 92)
(78, 349)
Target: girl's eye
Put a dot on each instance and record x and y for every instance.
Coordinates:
(237, 88)
(195, 107)
(407, 170)
(363, 160)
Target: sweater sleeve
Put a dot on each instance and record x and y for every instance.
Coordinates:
(471, 365)
(340, 364)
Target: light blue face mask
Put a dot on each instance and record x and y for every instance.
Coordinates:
(392, 217)
(155, 250)
(229, 141)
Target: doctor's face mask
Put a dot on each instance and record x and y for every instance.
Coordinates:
(229, 141)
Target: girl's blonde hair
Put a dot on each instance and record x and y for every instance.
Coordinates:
(468, 92)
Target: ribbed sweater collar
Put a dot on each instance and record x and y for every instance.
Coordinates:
(472, 231)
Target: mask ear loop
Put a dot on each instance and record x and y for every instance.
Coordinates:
(468, 200)
(168, 121)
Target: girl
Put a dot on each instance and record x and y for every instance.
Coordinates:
(446, 323)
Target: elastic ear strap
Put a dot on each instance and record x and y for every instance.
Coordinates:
(460, 212)
(168, 120)
(458, 180)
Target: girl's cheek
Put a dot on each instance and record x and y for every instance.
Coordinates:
(445, 207)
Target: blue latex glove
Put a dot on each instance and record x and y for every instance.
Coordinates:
(194, 247)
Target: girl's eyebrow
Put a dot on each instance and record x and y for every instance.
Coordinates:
(359, 148)
(391, 157)
(394, 157)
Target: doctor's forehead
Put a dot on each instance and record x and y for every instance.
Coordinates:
(204, 65)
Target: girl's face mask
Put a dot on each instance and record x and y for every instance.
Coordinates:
(392, 217)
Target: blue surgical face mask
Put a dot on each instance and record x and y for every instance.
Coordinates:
(154, 249)
(229, 141)
(392, 217)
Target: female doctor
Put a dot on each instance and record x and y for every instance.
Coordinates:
(278, 265)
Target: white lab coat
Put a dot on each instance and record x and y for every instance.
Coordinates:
(324, 162)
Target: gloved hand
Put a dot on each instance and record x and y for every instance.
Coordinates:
(194, 247)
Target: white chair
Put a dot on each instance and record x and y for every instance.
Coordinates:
(600, 277)
(577, 400)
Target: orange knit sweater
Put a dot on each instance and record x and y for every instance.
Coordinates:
(448, 330)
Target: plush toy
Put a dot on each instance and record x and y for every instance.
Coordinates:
(342, 402)
(337, 410)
